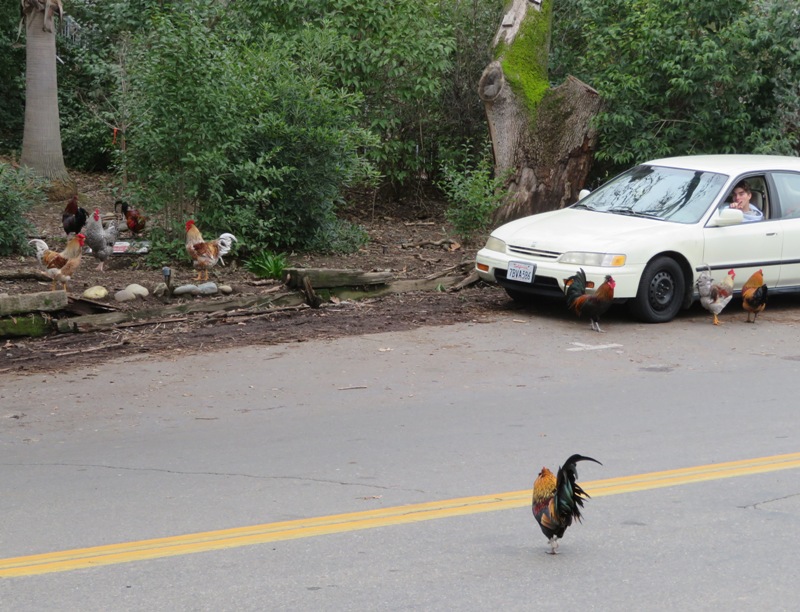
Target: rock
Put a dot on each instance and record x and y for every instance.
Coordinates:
(207, 289)
(225, 289)
(185, 290)
(160, 290)
(137, 290)
(124, 296)
(95, 293)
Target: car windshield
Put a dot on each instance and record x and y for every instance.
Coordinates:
(655, 192)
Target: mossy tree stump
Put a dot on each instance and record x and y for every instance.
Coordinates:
(542, 137)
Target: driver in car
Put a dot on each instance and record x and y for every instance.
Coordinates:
(741, 200)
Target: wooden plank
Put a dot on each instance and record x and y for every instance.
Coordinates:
(324, 278)
(45, 301)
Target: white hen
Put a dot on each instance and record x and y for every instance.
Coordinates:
(715, 296)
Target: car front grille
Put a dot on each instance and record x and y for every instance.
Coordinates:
(531, 252)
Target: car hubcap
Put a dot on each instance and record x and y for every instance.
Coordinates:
(662, 288)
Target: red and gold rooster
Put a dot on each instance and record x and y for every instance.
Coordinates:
(754, 295)
(60, 267)
(134, 219)
(592, 305)
(204, 254)
(558, 499)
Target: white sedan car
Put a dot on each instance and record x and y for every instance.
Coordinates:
(654, 228)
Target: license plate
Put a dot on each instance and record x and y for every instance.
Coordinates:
(521, 271)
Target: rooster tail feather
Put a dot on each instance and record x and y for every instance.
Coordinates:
(575, 287)
(225, 242)
(569, 494)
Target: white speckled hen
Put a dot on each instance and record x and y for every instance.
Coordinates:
(101, 240)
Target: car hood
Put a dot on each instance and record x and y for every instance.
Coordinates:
(570, 229)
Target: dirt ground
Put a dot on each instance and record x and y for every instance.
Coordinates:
(391, 230)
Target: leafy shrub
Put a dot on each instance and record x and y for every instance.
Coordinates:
(19, 190)
(675, 82)
(267, 265)
(473, 194)
(240, 135)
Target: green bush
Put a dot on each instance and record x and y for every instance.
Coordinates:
(473, 194)
(714, 79)
(19, 191)
(240, 135)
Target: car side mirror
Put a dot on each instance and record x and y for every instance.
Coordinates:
(726, 217)
(583, 193)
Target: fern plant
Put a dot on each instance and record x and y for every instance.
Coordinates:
(267, 265)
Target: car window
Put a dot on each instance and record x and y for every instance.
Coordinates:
(788, 188)
(657, 192)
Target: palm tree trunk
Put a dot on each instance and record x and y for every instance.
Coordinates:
(41, 140)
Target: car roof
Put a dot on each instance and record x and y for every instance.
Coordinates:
(730, 164)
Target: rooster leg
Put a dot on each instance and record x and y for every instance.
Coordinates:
(199, 275)
(553, 546)
(100, 266)
(596, 327)
(716, 320)
(748, 318)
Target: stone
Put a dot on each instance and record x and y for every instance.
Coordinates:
(185, 290)
(124, 296)
(207, 289)
(137, 290)
(225, 289)
(95, 293)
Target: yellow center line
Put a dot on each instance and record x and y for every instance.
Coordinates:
(156, 548)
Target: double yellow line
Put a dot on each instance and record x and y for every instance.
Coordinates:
(337, 523)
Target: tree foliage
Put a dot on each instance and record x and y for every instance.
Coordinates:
(239, 134)
(20, 189)
(682, 78)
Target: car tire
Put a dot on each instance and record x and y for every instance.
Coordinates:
(661, 290)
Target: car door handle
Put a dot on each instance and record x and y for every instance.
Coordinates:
(772, 233)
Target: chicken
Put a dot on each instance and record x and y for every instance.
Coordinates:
(715, 296)
(60, 267)
(206, 254)
(754, 295)
(592, 305)
(134, 219)
(558, 499)
(101, 240)
(74, 217)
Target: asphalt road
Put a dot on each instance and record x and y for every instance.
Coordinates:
(322, 475)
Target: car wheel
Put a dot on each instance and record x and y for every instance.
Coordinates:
(660, 293)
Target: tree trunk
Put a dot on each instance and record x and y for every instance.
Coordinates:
(41, 141)
(542, 137)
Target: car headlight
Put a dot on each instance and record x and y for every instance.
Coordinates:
(601, 260)
(495, 244)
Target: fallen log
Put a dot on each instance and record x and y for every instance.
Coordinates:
(324, 278)
(24, 275)
(32, 325)
(94, 322)
(44, 301)
(398, 286)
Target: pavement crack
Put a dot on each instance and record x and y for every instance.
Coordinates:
(343, 483)
(756, 505)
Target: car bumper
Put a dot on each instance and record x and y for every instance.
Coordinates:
(549, 278)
